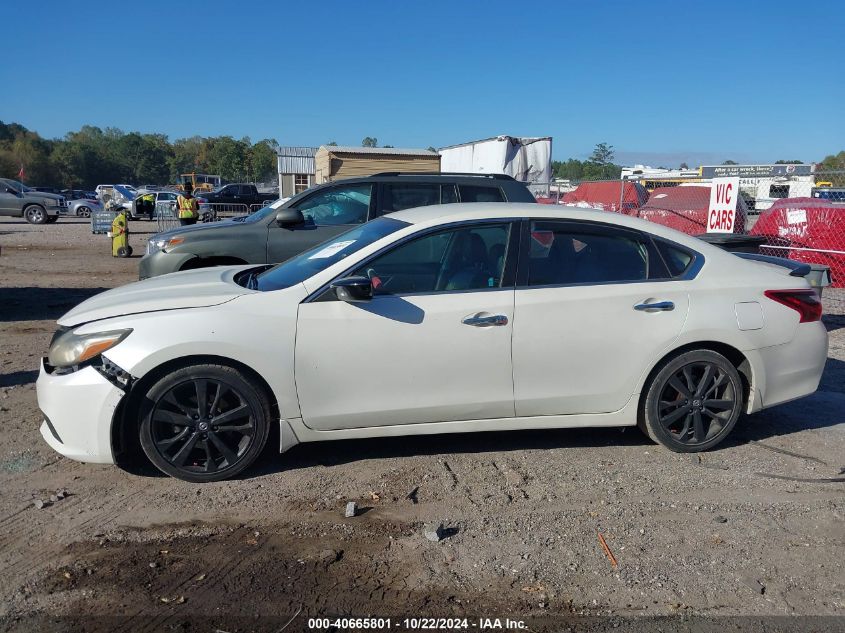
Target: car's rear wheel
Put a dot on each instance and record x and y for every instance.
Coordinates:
(35, 214)
(83, 212)
(693, 402)
(204, 423)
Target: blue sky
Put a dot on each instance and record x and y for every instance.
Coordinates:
(663, 82)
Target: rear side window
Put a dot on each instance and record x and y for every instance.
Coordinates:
(448, 194)
(474, 193)
(676, 259)
(400, 196)
(558, 254)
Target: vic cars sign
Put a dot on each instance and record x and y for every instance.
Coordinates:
(721, 213)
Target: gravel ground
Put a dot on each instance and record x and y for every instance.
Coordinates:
(753, 529)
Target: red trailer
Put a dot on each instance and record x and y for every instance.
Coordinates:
(809, 230)
(684, 209)
(607, 195)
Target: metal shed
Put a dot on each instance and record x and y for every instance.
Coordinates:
(333, 162)
(296, 169)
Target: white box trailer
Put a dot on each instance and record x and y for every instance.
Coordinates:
(527, 159)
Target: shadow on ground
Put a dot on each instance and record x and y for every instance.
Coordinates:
(17, 378)
(41, 304)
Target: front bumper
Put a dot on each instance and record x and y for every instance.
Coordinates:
(161, 263)
(80, 408)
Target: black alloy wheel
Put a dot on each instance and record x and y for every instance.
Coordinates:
(204, 423)
(693, 402)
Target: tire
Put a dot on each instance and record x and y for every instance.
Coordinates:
(178, 432)
(35, 214)
(83, 212)
(123, 251)
(693, 402)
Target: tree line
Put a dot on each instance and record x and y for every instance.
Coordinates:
(92, 156)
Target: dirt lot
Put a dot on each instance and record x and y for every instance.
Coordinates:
(754, 529)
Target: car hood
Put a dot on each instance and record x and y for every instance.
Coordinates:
(195, 229)
(43, 194)
(189, 289)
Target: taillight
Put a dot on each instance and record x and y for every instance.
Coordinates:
(805, 302)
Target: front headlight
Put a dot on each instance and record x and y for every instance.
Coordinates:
(162, 244)
(72, 349)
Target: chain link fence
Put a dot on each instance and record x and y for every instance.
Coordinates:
(798, 217)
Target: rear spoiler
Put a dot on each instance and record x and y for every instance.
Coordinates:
(796, 269)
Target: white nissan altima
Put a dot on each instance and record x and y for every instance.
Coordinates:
(454, 318)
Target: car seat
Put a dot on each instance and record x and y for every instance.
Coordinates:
(471, 267)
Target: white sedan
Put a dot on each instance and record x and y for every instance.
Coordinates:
(454, 318)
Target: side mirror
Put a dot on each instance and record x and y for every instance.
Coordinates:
(289, 217)
(353, 289)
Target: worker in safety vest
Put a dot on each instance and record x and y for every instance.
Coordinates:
(187, 207)
(146, 204)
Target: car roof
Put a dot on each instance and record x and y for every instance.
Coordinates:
(468, 211)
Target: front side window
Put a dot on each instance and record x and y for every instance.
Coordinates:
(307, 264)
(475, 193)
(559, 254)
(338, 205)
(467, 258)
(403, 195)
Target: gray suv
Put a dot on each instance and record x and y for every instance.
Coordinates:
(280, 231)
(36, 207)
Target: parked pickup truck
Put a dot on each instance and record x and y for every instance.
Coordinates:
(237, 194)
(18, 200)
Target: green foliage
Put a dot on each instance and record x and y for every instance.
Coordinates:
(832, 163)
(598, 167)
(788, 162)
(369, 141)
(603, 154)
(730, 162)
(91, 156)
(332, 144)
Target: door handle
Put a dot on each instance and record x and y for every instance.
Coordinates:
(482, 320)
(659, 306)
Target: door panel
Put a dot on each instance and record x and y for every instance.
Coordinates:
(404, 360)
(581, 349)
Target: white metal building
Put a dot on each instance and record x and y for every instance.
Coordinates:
(296, 169)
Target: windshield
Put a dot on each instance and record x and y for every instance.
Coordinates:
(311, 262)
(262, 213)
(18, 185)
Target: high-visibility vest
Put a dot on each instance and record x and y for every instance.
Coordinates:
(188, 208)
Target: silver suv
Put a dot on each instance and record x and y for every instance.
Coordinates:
(36, 207)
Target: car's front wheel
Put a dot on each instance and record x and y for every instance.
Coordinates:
(204, 423)
(83, 212)
(35, 214)
(693, 402)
